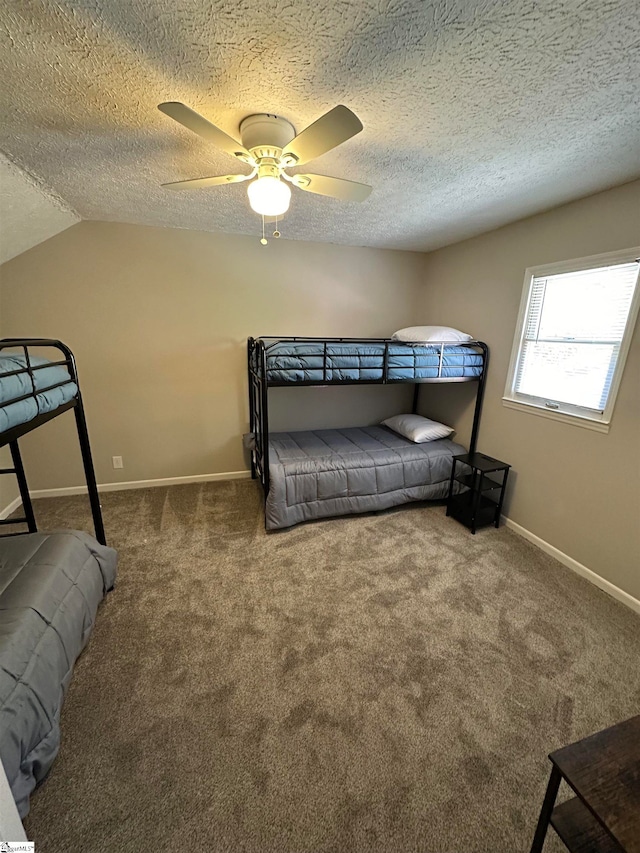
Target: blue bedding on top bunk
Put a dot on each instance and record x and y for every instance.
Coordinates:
(298, 361)
(13, 414)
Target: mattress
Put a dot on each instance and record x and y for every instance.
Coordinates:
(50, 588)
(12, 387)
(322, 473)
(303, 361)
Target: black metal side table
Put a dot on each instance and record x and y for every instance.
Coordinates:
(480, 503)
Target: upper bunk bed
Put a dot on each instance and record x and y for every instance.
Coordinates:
(334, 361)
(319, 473)
(33, 390)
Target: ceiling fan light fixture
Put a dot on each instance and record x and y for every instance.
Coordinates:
(271, 147)
(269, 196)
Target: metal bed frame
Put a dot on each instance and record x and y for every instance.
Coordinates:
(259, 384)
(12, 435)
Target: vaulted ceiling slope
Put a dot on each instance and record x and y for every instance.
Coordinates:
(29, 212)
(475, 112)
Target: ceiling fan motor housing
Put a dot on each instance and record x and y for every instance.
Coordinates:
(266, 135)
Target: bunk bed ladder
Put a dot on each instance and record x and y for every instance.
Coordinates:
(252, 405)
(89, 471)
(258, 411)
(479, 398)
(264, 418)
(18, 470)
(11, 435)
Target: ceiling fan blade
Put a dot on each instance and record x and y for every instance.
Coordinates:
(331, 129)
(333, 187)
(198, 183)
(195, 122)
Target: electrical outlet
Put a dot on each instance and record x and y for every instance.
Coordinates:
(117, 461)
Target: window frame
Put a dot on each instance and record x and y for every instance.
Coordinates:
(568, 413)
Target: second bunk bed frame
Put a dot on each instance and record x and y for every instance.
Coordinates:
(259, 385)
(11, 435)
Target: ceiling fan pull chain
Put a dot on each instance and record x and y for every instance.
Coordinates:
(264, 239)
(276, 233)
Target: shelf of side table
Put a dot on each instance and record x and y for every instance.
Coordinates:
(484, 482)
(579, 829)
(603, 772)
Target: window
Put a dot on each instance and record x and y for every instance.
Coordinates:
(574, 330)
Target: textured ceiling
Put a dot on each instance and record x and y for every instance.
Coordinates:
(29, 212)
(474, 113)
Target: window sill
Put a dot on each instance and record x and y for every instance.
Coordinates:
(575, 420)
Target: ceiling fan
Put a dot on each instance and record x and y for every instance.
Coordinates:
(270, 146)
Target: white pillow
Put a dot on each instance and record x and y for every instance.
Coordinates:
(425, 334)
(416, 428)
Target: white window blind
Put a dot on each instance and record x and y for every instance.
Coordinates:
(572, 336)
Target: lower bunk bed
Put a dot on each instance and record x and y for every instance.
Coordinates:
(323, 473)
(50, 587)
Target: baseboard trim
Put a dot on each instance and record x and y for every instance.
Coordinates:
(596, 579)
(12, 507)
(143, 484)
(133, 484)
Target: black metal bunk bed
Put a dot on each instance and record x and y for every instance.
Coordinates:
(384, 368)
(39, 410)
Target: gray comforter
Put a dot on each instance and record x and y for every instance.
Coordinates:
(50, 588)
(342, 471)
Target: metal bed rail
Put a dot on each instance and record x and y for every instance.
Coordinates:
(10, 436)
(385, 366)
(259, 383)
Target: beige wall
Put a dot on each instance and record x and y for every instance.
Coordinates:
(158, 321)
(577, 489)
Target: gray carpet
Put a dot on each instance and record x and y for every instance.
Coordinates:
(376, 683)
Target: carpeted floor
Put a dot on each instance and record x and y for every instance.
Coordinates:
(378, 683)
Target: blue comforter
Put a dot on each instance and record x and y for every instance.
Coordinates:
(11, 387)
(297, 361)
